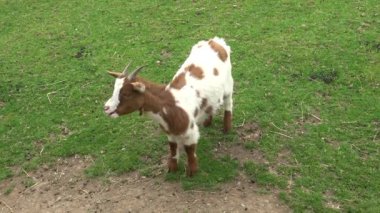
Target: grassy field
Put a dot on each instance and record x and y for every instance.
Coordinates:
(307, 72)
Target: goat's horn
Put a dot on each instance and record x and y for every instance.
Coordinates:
(134, 73)
(125, 72)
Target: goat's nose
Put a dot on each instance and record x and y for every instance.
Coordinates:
(106, 108)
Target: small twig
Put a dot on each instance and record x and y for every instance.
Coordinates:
(279, 133)
(242, 124)
(50, 93)
(42, 150)
(26, 173)
(59, 199)
(353, 146)
(84, 85)
(375, 136)
(316, 117)
(34, 185)
(3, 202)
(295, 159)
(303, 118)
(34, 179)
(197, 191)
(54, 92)
(278, 127)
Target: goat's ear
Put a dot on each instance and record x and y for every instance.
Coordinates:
(115, 74)
(138, 86)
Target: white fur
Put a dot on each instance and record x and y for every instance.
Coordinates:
(217, 89)
(157, 118)
(114, 101)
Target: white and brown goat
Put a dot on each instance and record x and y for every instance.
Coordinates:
(199, 88)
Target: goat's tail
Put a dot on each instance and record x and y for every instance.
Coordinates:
(222, 42)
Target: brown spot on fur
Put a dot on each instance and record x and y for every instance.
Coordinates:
(195, 71)
(179, 81)
(192, 165)
(177, 120)
(209, 110)
(175, 117)
(172, 162)
(222, 53)
(155, 97)
(204, 103)
(227, 121)
(216, 72)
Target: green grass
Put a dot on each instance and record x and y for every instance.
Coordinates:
(291, 60)
(260, 174)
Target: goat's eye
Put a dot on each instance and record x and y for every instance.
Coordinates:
(121, 95)
(124, 96)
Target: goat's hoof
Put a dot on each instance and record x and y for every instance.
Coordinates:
(190, 172)
(172, 166)
(172, 170)
(226, 130)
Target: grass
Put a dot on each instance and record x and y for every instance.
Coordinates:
(306, 69)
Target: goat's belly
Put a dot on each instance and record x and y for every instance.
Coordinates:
(210, 102)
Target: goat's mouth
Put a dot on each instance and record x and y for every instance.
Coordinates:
(112, 114)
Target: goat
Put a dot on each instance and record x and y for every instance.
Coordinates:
(199, 88)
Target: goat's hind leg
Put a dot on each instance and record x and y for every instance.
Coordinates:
(190, 145)
(227, 113)
(173, 156)
(192, 164)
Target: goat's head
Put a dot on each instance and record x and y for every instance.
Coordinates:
(127, 95)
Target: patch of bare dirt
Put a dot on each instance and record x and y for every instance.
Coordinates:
(249, 132)
(64, 188)
(331, 201)
(238, 152)
(166, 54)
(283, 157)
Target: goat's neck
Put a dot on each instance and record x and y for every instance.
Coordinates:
(155, 97)
(160, 106)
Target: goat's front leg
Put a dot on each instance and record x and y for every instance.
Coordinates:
(227, 121)
(192, 165)
(173, 157)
